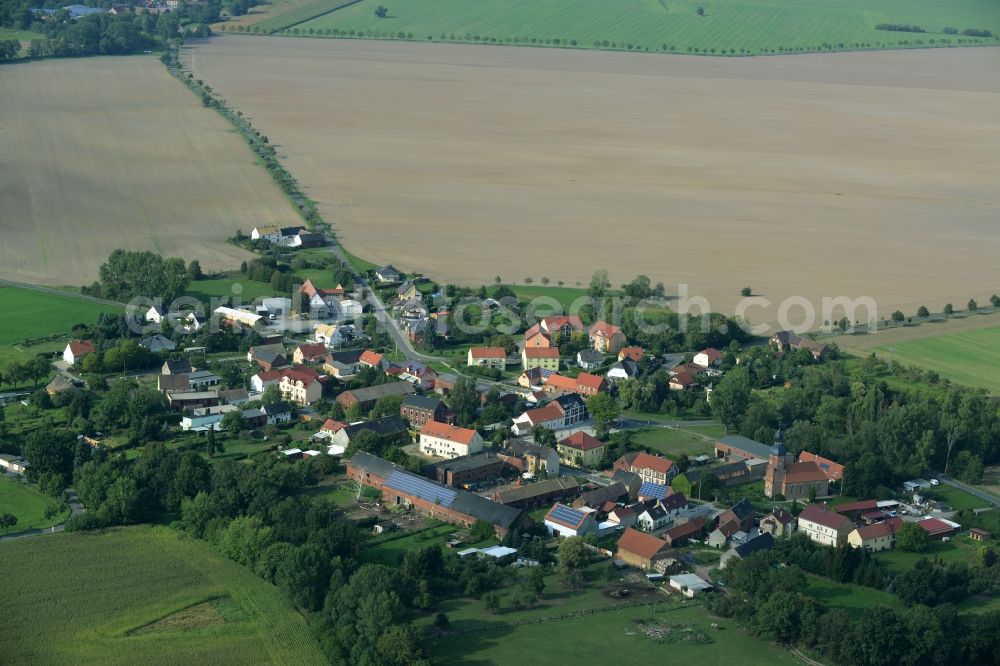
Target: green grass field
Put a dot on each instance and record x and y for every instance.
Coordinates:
(28, 505)
(961, 549)
(142, 595)
(959, 500)
(727, 26)
(969, 357)
(391, 552)
(300, 14)
(235, 287)
(673, 443)
(35, 314)
(850, 598)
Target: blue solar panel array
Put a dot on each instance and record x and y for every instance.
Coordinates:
(649, 489)
(422, 488)
(565, 514)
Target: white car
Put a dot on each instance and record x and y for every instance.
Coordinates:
(935, 482)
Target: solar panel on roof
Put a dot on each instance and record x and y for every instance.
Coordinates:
(650, 489)
(422, 488)
(565, 514)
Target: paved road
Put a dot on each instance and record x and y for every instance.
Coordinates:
(975, 492)
(75, 508)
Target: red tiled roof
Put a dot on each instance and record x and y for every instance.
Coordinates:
(371, 358)
(863, 505)
(682, 379)
(582, 441)
(269, 376)
(821, 515)
(634, 353)
(832, 470)
(604, 329)
(541, 352)
(558, 321)
(332, 425)
(713, 354)
(488, 352)
(549, 412)
(655, 463)
(308, 288)
(804, 472)
(312, 350)
(590, 381)
(80, 347)
(448, 432)
(641, 544)
(688, 529)
(878, 530)
(300, 374)
(561, 382)
(936, 526)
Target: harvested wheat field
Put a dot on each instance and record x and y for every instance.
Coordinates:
(815, 175)
(102, 153)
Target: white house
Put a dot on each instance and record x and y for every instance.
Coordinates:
(77, 349)
(653, 518)
(206, 418)
(708, 358)
(262, 380)
(279, 412)
(272, 234)
(448, 441)
(689, 584)
(624, 369)
(158, 315)
(238, 316)
(565, 521)
(824, 526)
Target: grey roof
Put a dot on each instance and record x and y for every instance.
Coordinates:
(234, 394)
(569, 400)
(625, 477)
(656, 512)
(277, 408)
(252, 413)
(521, 447)
(462, 463)
(519, 493)
(349, 356)
(755, 448)
(760, 542)
(612, 493)
(464, 502)
(309, 236)
(421, 402)
(384, 427)
(742, 509)
(406, 286)
(721, 471)
(372, 464)
(177, 366)
(590, 356)
(382, 390)
(269, 356)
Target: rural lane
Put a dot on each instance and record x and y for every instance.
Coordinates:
(975, 492)
(75, 508)
(59, 292)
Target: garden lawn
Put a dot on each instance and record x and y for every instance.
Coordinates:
(90, 598)
(391, 552)
(723, 27)
(675, 442)
(230, 288)
(957, 499)
(611, 637)
(967, 357)
(850, 598)
(28, 505)
(19, 35)
(34, 314)
(961, 549)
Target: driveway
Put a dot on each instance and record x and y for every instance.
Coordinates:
(75, 508)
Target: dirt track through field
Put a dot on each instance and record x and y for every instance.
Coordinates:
(102, 153)
(817, 175)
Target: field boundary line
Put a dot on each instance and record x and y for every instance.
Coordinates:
(59, 292)
(314, 16)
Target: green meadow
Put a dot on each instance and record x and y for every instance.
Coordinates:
(722, 27)
(144, 595)
(967, 357)
(34, 314)
(29, 505)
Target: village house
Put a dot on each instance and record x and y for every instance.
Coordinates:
(681, 381)
(469, 470)
(157, 343)
(448, 441)
(653, 518)
(262, 380)
(371, 359)
(387, 430)
(205, 418)
(59, 384)
(402, 488)
(778, 523)
(652, 469)
(268, 357)
(793, 480)
(342, 364)
(742, 514)
(309, 353)
(679, 534)
(387, 274)
(588, 359)
(624, 516)
(301, 385)
(13, 464)
(530, 458)
(633, 354)
(824, 526)
(541, 493)
(540, 357)
(581, 450)
(565, 521)
(278, 412)
(606, 338)
(419, 409)
(785, 340)
(880, 536)
(639, 549)
(756, 544)
(562, 412)
(365, 398)
(180, 400)
(76, 349)
(234, 396)
(708, 358)
(487, 357)
(614, 493)
(562, 327)
(623, 369)
(176, 366)
(537, 338)
(631, 481)
(407, 291)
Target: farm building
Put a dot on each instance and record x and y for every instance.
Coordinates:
(565, 521)
(639, 549)
(542, 493)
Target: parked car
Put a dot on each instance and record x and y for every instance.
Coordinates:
(935, 482)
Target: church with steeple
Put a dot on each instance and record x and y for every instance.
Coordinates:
(793, 480)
